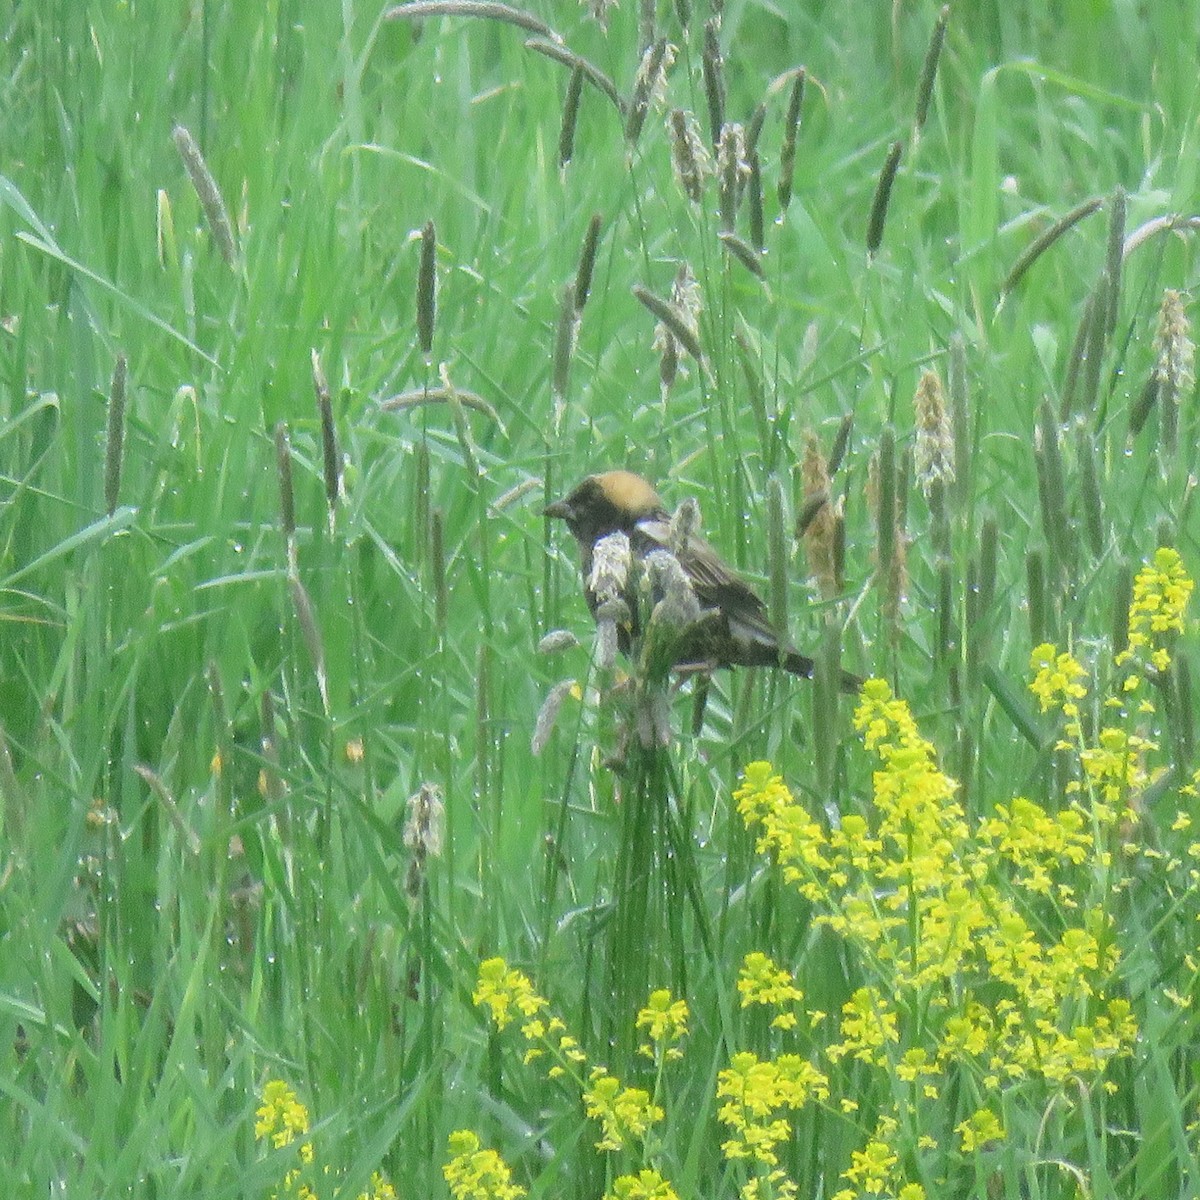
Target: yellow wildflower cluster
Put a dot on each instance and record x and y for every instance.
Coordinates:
(1056, 683)
(281, 1119)
(868, 1028)
(665, 1022)
(1160, 597)
(503, 989)
(875, 1169)
(645, 1185)
(939, 911)
(761, 982)
(626, 1114)
(474, 1173)
(757, 1093)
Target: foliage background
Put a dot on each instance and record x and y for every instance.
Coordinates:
(160, 957)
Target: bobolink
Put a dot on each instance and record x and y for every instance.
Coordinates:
(733, 629)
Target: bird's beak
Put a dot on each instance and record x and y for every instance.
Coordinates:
(560, 509)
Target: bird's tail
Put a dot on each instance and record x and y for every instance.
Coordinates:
(801, 664)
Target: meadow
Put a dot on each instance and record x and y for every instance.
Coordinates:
(335, 857)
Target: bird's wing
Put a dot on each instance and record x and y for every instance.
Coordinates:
(716, 584)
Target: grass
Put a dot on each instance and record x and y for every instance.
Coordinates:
(213, 730)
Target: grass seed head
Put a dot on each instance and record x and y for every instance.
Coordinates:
(689, 156)
(211, 201)
(935, 439)
(427, 290)
(570, 117)
(713, 68)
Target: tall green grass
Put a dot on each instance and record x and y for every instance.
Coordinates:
(210, 745)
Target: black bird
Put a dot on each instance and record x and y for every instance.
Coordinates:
(734, 629)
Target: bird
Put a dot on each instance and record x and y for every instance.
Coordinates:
(733, 629)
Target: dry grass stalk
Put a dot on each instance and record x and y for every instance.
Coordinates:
(591, 72)
(509, 498)
(114, 442)
(307, 620)
(215, 213)
(556, 641)
(440, 395)
(462, 431)
(612, 561)
(1174, 350)
(1174, 363)
(547, 716)
(424, 835)
(668, 359)
(598, 9)
(883, 195)
(418, 9)
(189, 837)
(1172, 223)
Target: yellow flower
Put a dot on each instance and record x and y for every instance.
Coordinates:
(756, 1091)
(380, 1189)
(477, 1174)
(281, 1117)
(665, 1020)
(503, 989)
(624, 1114)
(645, 1185)
(760, 981)
(871, 1167)
(979, 1129)
(1160, 597)
(1056, 682)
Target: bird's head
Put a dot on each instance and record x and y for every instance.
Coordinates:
(603, 504)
